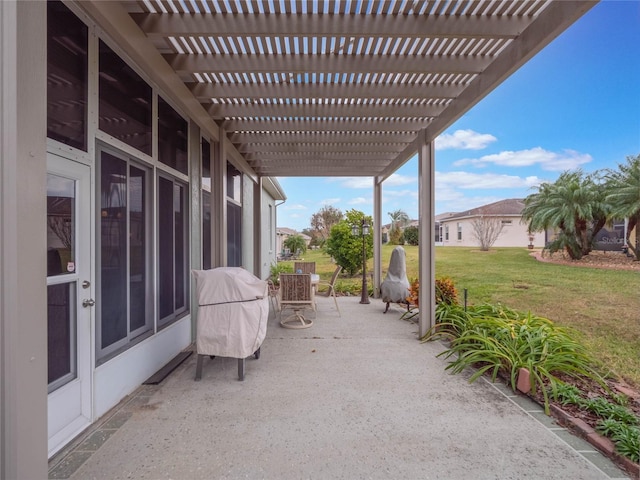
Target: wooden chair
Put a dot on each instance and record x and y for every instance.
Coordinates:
(331, 290)
(304, 267)
(273, 295)
(296, 293)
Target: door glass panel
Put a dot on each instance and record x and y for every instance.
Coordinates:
(166, 245)
(61, 194)
(61, 322)
(234, 235)
(113, 249)
(180, 258)
(206, 230)
(137, 250)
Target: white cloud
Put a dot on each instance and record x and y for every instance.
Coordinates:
(359, 201)
(330, 201)
(463, 203)
(396, 180)
(294, 206)
(413, 194)
(467, 180)
(547, 160)
(356, 182)
(464, 140)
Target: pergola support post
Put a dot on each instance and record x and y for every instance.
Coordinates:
(377, 236)
(426, 258)
(219, 202)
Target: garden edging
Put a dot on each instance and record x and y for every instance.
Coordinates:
(588, 433)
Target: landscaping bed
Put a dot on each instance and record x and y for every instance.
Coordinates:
(584, 423)
(595, 259)
(546, 362)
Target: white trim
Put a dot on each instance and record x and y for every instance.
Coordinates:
(115, 379)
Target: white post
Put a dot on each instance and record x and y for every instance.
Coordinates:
(23, 286)
(377, 237)
(426, 205)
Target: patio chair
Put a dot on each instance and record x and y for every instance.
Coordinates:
(296, 293)
(331, 290)
(304, 267)
(273, 295)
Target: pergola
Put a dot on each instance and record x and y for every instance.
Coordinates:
(336, 88)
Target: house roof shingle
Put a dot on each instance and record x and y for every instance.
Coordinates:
(501, 208)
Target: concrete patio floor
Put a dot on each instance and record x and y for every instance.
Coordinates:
(351, 397)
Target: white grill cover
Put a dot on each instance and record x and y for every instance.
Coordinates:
(395, 287)
(233, 312)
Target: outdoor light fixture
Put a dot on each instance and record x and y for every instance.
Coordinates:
(362, 230)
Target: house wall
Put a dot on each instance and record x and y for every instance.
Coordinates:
(24, 148)
(23, 340)
(513, 235)
(269, 244)
(248, 222)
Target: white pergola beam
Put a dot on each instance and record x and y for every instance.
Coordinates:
(344, 64)
(219, 112)
(205, 24)
(325, 125)
(264, 138)
(205, 92)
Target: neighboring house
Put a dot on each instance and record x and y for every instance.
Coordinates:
(457, 229)
(438, 226)
(416, 223)
(282, 233)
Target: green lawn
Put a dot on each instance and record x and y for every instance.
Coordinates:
(603, 306)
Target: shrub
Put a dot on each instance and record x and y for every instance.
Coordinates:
(616, 421)
(625, 437)
(446, 292)
(396, 237)
(346, 248)
(411, 235)
(296, 243)
(276, 269)
(497, 339)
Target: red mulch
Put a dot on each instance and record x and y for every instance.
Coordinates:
(596, 259)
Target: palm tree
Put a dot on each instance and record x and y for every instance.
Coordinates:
(296, 244)
(623, 196)
(398, 218)
(574, 206)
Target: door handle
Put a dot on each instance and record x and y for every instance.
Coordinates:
(88, 302)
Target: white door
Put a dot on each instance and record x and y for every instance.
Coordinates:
(69, 300)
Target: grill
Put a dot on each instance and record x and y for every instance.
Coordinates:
(233, 309)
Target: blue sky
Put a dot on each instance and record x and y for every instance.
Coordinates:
(574, 105)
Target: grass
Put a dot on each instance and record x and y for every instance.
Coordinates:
(603, 306)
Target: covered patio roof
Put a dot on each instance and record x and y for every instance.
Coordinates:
(334, 88)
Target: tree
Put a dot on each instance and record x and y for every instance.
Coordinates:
(344, 247)
(486, 230)
(315, 239)
(399, 218)
(296, 243)
(574, 206)
(411, 235)
(623, 197)
(323, 221)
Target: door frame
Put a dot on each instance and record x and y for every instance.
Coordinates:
(68, 424)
